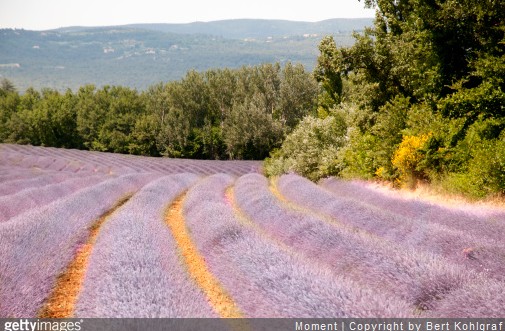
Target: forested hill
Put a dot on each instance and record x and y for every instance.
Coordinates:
(262, 29)
(144, 54)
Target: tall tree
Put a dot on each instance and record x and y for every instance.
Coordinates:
(298, 95)
(328, 73)
(6, 86)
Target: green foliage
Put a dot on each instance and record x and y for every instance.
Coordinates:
(423, 96)
(481, 154)
(381, 66)
(486, 98)
(46, 119)
(389, 124)
(297, 95)
(311, 149)
(9, 102)
(6, 86)
(373, 139)
(327, 73)
(173, 140)
(91, 110)
(485, 173)
(457, 30)
(218, 114)
(250, 130)
(143, 136)
(357, 156)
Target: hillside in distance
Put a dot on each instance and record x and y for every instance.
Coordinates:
(140, 55)
(262, 29)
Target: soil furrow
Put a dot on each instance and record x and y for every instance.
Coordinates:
(219, 299)
(61, 302)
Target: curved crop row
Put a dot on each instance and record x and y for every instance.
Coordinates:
(21, 202)
(134, 270)
(265, 280)
(470, 296)
(420, 279)
(38, 245)
(460, 246)
(11, 173)
(196, 265)
(491, 226)
(8, 187)
(84, 161)
(61, 301)
(58, 163)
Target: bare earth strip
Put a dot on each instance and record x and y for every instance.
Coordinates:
(222, 303)
(61, 302)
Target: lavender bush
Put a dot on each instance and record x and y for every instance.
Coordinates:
(266, 280)
(134, 270)
(478, 299)
(12, 186)
(20, 202)
(37, 246)
(416, 277)
(460, 246)
(80, 161)
(287, 249)
(490, 224)
(11, 173)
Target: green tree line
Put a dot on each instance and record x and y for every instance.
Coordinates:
(218, 114)
(420, 96)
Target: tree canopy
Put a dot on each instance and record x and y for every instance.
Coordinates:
(423, 95)
(217, 114)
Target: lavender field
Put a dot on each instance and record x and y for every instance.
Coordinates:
(89, 234)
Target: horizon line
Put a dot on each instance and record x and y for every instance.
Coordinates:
(184, 23)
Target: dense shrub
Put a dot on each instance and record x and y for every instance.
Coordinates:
(407, 158)
(485, 173)
(311, 149)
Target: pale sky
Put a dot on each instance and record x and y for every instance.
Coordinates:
(50, 14)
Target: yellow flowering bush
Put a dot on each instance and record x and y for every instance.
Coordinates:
(407, 157)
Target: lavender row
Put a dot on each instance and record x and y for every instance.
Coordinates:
(134, 270)
(265, 280)
(76, 160)
(418, 278)
(56, 163)
(49, 158)
(491, 225)
(23, 201)
(484, 298)
(461, 247)
(37, 246)
(15, 185)
(11, 173)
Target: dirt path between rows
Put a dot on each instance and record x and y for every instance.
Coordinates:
(195, 263)
(61, 302)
